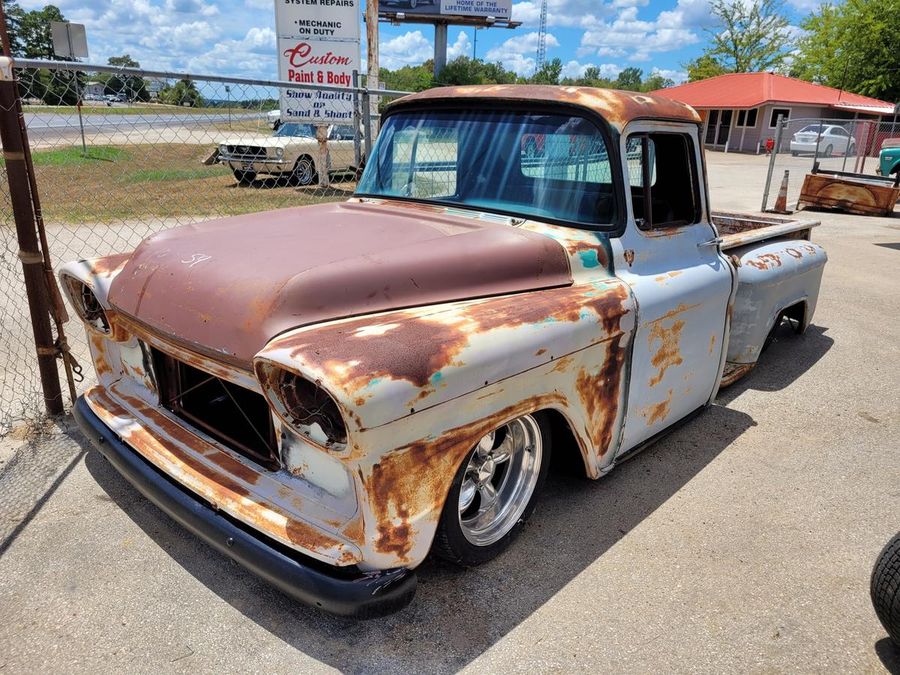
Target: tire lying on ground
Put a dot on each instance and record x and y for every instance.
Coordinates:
(885, 588)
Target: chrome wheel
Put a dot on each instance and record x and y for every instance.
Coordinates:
(304, 171)
(500, 478)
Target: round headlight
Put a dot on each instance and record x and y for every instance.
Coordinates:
(279, 152)
(223, 148)
(86, 304)
(303, 405)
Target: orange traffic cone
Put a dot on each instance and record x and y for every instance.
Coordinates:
(781, 202)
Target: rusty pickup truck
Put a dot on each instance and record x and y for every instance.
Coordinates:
(328, 394)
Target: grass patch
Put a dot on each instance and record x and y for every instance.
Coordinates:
(148, 183)
(153, 175)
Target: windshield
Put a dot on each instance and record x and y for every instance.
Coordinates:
(525, 164)
(811, 128)
(293, 129)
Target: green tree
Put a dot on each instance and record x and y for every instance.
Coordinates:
(704, 67)
(630, 79)
(14, 16)
(750, 35)
(408, 78)
(184, 92)
(854, 46)
(134, 88)
(548, 73)
(656, 81)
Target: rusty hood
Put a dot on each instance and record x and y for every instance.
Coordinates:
(228, 286)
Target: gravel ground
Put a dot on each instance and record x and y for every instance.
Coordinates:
(741, 542)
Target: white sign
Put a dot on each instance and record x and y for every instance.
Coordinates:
(317, 62)
(499, 9)
(318, 44)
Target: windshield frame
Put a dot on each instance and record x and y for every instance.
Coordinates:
(465, 105)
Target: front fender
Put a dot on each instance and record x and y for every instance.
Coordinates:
(418, 388)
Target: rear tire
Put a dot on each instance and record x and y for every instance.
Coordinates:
(494, 492)
(828, 150)
(304, 172)
(885, 588)
(244, 177)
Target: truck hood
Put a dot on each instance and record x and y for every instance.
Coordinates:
(226, 287)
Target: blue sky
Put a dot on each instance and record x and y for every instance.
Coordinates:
(237, 37)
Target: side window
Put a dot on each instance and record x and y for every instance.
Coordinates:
(662, 175)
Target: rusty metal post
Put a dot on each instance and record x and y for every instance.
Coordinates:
(778, 126)
(367, 123)
(26, 232)
(322, 138)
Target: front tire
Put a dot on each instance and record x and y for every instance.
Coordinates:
(885, 588)
(494, 492)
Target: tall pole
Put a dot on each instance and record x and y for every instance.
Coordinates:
(440, 48)
(372, 62)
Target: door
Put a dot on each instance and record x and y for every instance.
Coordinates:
(680, 280)
(711, 124)
(724, 128)
(340, 147)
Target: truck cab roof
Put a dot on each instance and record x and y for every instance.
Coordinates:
(618, 108)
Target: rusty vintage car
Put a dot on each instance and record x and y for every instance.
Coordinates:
(328, 394)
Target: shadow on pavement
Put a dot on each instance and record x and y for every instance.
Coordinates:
(786, 359)
(889, 653)
(457, 615)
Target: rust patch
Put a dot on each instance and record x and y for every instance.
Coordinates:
(599, 393)
(712, 342)
(418, 346)
(108, 265)
(764, 261)
(669, 353)
(414, 480)
(617, 107)
(794, 253)
(101, 365)
(659, 411)
(629, 256)
(540, 351)
(217, 487)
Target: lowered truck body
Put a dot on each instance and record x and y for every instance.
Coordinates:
(329, 393)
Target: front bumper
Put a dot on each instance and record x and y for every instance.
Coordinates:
(337, 591)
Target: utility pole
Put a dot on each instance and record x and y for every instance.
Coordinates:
(372, 63)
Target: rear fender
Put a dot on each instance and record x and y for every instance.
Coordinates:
(771, 279)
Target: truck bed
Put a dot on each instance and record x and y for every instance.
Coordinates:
(738, 229)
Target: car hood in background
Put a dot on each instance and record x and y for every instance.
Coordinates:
(268, 141)
(229, 286)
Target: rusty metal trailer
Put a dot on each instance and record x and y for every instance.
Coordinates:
(857, 193)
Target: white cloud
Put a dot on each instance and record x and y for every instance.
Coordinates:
(629, 36)
(677, 76)
(460, 47)
(407, 49)
(563, 13)
(518, 53)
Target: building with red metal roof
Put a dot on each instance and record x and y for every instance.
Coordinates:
(740, 110)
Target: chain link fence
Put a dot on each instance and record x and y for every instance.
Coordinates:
(835, 144)
(122, 153)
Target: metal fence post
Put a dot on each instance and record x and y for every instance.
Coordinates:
(26, 232)
(367, 123)
(779, 125)
(356, 119)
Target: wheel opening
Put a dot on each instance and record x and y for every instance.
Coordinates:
(567, 459)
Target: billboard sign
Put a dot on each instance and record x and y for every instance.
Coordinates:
(501, 10)
(318, 44)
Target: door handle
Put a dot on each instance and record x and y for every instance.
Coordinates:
(711, 242)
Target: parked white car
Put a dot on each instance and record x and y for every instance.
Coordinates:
(291, 152)
(273, 118)
(831, 139)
